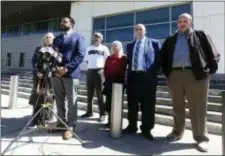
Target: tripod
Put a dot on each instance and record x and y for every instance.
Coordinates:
(44, 106)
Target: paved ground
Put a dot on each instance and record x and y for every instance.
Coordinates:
(98, 140)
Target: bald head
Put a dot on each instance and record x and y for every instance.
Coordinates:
(140, 31)
(184, 22)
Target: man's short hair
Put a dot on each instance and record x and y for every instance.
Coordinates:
(71, 20)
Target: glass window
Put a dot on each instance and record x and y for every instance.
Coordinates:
(14, 31)
(177, 10)
(125, 34)
(54, 25)
(120, 20)
(41, 27)
(174, 27)
(153, 16)
(159, 31)
(28, 29)
(98, 23)
(4, 32)
(21, 61)
(8, 59)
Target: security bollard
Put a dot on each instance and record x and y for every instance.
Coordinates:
(223, 122)
(13, 91)
(117, 110)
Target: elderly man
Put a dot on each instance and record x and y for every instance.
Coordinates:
(143, 64)
(95, 58)
(187, 61)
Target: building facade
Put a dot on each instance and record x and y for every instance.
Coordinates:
(116, 21)
(21, 36)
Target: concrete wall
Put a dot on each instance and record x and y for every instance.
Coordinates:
(16, 45)
(209, 16)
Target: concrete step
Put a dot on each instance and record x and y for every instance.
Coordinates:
(166, 110)
(214, 128)
(161, 81)
(215, 107)
(160, 109)
(24, 87)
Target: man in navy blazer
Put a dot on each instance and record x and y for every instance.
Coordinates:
(143, 65)
(66, 82)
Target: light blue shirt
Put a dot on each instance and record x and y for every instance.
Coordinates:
(181, 56)
(141, 62)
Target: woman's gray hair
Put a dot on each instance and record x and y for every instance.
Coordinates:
(118, 43)
(45, 35)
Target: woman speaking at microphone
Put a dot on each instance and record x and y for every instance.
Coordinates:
(114, 71)
(37, 75)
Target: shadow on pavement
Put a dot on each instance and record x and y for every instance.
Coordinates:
(96, 136)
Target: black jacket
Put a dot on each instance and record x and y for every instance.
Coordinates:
(203, 58)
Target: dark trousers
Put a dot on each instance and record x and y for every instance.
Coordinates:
(95, 79)
(37, 100)
(141, 89)
(33, 100)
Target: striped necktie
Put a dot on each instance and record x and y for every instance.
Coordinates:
(136, 53)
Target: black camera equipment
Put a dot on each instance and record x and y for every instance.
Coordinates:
(47, 63)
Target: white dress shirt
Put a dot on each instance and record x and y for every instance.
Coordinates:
(96, 56)
(141, 65)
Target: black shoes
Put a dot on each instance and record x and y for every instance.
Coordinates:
(148, 135)
(87, 115)
(129, 130)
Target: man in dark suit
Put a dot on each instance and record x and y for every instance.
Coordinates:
(188, 60)
(143, 64)
(66, 81)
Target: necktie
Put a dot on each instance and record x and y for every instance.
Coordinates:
(136, 53)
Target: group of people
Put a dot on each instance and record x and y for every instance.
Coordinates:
(187, 58)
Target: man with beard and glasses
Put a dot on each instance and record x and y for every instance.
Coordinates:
(66, 81)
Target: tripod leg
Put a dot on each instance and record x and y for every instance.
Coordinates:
(78, 138)
(21, 132)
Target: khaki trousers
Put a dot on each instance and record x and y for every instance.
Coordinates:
(181, 84)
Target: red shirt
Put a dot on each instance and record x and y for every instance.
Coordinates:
(115, 67)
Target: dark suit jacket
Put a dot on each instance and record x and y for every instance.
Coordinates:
(73, 51)
(203, 58)
(152, 56)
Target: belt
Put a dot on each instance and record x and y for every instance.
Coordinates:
(182, 68)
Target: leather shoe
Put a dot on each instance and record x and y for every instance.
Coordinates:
(202, 146)
(148, 135)
(173, 137)
(67, 135)
(129, 130)
(87, 115)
